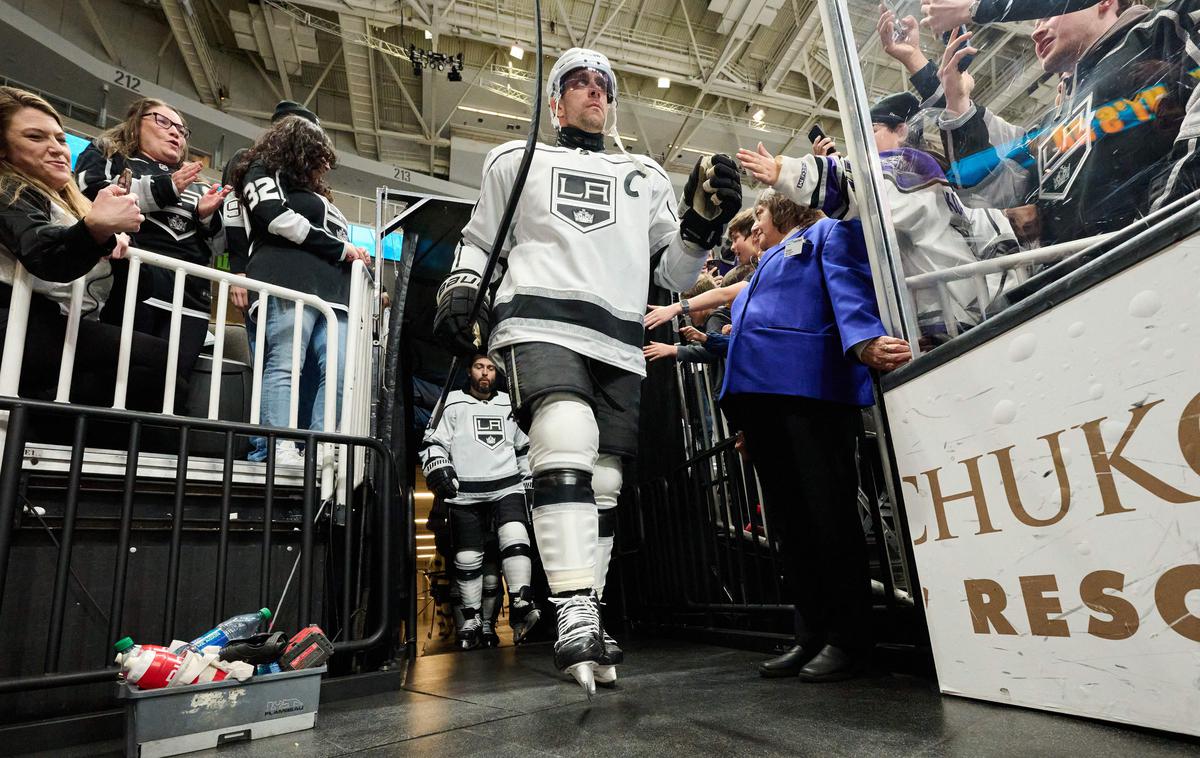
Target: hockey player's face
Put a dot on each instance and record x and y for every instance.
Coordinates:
(483, 375)
(584, 100)
(35, 145)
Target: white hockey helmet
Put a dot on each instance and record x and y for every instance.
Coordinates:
(576, 58)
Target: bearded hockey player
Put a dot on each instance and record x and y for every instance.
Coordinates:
(475, 459)
(567, 322)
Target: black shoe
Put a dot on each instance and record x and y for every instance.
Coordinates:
(788, 664)
(832, 664)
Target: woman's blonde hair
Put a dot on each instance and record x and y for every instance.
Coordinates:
(14, 181)
(126, 137)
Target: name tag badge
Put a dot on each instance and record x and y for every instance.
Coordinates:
(798, 246)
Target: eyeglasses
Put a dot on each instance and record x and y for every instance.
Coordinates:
(167, 123)
(586, 79)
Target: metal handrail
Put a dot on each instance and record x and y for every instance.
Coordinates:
(358, 354)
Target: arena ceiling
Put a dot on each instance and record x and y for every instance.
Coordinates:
(739, 70)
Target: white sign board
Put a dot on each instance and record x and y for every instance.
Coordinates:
(1052, 483)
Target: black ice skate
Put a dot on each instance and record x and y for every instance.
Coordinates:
(470, 633)
(487, 634)
(522, 614)
(580, 642)
(606, 665)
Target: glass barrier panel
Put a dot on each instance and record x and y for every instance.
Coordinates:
(1014, 140)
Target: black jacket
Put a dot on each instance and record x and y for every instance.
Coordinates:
(171, 226)
(297, 237)
(51, 251)
(1122, 141)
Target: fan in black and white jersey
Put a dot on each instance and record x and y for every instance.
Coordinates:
(181, 219)
(476, 459)
(299, 240)
(235, 228)
(567, 321)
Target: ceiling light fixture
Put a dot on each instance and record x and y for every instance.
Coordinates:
(428, 34)
(664, 82)
(517, 52)
(498, 114)
(758, 115)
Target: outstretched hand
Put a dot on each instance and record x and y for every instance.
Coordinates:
(901, 39)
(657, 315)
(212, 199)
(659, 350)
(943, 15)
(760, 164)
(957, 85)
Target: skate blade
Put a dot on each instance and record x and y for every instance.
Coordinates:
(584, 674)
(605, 675)
(531, 620)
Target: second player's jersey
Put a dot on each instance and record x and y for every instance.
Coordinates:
(482, 442)
(579, 248)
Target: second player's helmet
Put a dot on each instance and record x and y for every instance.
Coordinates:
(576, 59)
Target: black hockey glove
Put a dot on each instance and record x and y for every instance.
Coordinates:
(711, 197)
(441, 478)
(450, 322)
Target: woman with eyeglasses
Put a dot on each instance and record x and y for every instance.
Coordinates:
(181, 218)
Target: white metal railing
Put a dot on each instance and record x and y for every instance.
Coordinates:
(1019, 264)
(357, 377)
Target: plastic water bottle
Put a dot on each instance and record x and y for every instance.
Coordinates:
(147, 667)
(267, 668)
(230, 629)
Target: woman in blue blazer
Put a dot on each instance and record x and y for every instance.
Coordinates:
(805, 334)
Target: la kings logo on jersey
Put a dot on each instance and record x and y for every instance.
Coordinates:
(489, 430)
(583, 200)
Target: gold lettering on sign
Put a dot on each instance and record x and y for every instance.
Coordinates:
(1170, 595)
(1039, 606)
(1124, 622)
(1004, 461)
(924, 532)
(986, 601)
(975, 493)
(1189, 433)
(1105, 463)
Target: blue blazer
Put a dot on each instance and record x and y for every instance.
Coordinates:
(810, 301)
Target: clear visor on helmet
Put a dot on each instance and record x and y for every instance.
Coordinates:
(587, 78)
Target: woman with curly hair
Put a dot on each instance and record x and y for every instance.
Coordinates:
(180, 213)
(299, 240)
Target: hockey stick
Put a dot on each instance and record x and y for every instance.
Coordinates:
(510, 208)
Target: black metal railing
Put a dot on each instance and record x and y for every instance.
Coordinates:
(706, 560)
(206, 542)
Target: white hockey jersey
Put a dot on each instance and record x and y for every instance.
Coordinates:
(483, 443)
(578, 251)
(934, 229)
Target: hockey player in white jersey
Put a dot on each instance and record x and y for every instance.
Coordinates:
(934, 228)
(566, 322)
(476, 459)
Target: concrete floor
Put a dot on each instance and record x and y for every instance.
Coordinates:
(678, 698)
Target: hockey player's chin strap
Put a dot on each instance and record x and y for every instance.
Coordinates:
(510, 208)
(574, 137)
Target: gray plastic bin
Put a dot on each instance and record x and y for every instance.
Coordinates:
(200, 716)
